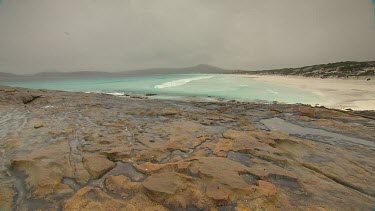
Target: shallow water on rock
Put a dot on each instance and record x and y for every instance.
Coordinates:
(319, 135)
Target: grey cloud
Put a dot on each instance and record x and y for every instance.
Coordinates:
(70, 35)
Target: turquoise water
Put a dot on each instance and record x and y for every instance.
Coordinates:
(218, 86)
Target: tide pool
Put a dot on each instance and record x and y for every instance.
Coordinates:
(234, 87)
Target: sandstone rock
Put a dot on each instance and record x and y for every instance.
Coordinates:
(224, 171)
(7, 193)
(45, 168)
(97, 164)
(175, 190)
(89, 198)
(304, 118)
(307, 111)
(217, 192)
(122, 153)
(121, 185)
(148, 167)
(29, 98)
(38, 123)
(164, 183)
(142, 202)
(152, 154)
(266, 188)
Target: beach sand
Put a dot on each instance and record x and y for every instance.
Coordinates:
(336, 93)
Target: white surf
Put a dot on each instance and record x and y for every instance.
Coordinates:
(180, 82)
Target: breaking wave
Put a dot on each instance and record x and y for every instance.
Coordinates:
(116, 93)
(180, 82)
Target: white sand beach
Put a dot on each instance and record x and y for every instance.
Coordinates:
(337, 93)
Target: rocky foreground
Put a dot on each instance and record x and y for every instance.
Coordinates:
(76, 151)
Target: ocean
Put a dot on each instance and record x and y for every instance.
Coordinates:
(208, 86)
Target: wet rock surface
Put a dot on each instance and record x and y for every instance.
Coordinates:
(77, 151)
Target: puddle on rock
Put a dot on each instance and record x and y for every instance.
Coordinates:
(21, 201)
(318, 135)
(71, 183)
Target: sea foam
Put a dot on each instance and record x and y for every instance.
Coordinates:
(180, 82)
(116, 93)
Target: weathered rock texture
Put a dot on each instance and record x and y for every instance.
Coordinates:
(76, 151)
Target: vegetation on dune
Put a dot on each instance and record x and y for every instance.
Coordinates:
(332, 70)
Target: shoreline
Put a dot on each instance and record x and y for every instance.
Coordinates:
(339, 93)
(333, 93)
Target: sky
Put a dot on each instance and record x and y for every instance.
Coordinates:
(117, 35)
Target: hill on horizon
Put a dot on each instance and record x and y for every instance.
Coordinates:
(345, 69)
(201, 68)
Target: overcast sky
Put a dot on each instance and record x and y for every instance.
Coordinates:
(113, 35)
